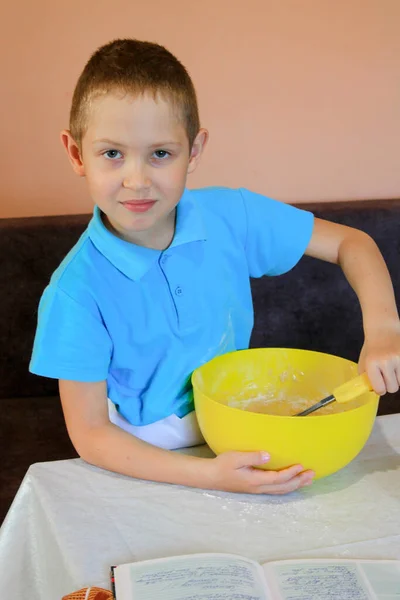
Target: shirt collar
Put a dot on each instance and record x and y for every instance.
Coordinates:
(135, 261)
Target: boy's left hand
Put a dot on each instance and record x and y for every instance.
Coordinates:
(380, 359)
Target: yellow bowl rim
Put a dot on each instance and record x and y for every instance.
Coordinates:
(195, 374)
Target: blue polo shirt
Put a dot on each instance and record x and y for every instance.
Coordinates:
(144, 319)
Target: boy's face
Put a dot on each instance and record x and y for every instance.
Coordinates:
(135, 156)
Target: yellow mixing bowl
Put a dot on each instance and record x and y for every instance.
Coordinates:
(323, 443)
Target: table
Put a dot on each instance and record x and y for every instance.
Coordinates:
(70, 521)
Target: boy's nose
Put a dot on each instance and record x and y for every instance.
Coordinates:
(136, 179)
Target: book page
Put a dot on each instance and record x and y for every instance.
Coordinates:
(193, 577)
(383, 577)
(334, 579)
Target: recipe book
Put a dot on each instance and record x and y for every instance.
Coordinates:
(231, 577)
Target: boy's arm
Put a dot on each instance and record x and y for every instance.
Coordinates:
(100, 442)
(366, 271)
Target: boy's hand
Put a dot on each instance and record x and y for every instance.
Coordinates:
(380, 358)
(235, 472)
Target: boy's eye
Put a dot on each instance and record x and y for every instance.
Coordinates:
(112, 154)
(161, 154)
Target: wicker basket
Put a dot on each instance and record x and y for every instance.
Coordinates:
(92, 593)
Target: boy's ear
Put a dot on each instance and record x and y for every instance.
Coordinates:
(74, 154)
(199, 144)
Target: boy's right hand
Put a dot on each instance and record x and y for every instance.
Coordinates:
(236, 472)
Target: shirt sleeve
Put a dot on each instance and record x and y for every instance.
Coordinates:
(277, 234)
(71, 340)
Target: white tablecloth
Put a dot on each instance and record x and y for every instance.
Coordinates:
(70, 521)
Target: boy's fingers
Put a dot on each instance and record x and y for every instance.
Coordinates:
(276, 478)
(390, 377)
(288, 474)
(376, 379)
(250, 459)
(391, 383)
(292, 485)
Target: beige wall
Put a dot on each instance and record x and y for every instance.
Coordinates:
(301, 97)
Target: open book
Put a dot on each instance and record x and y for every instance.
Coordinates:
(231, 577)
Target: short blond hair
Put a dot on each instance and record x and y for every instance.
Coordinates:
(134, 67)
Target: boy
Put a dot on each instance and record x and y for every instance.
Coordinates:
(159, 282)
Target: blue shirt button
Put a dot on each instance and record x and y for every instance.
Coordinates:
(178, 291)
